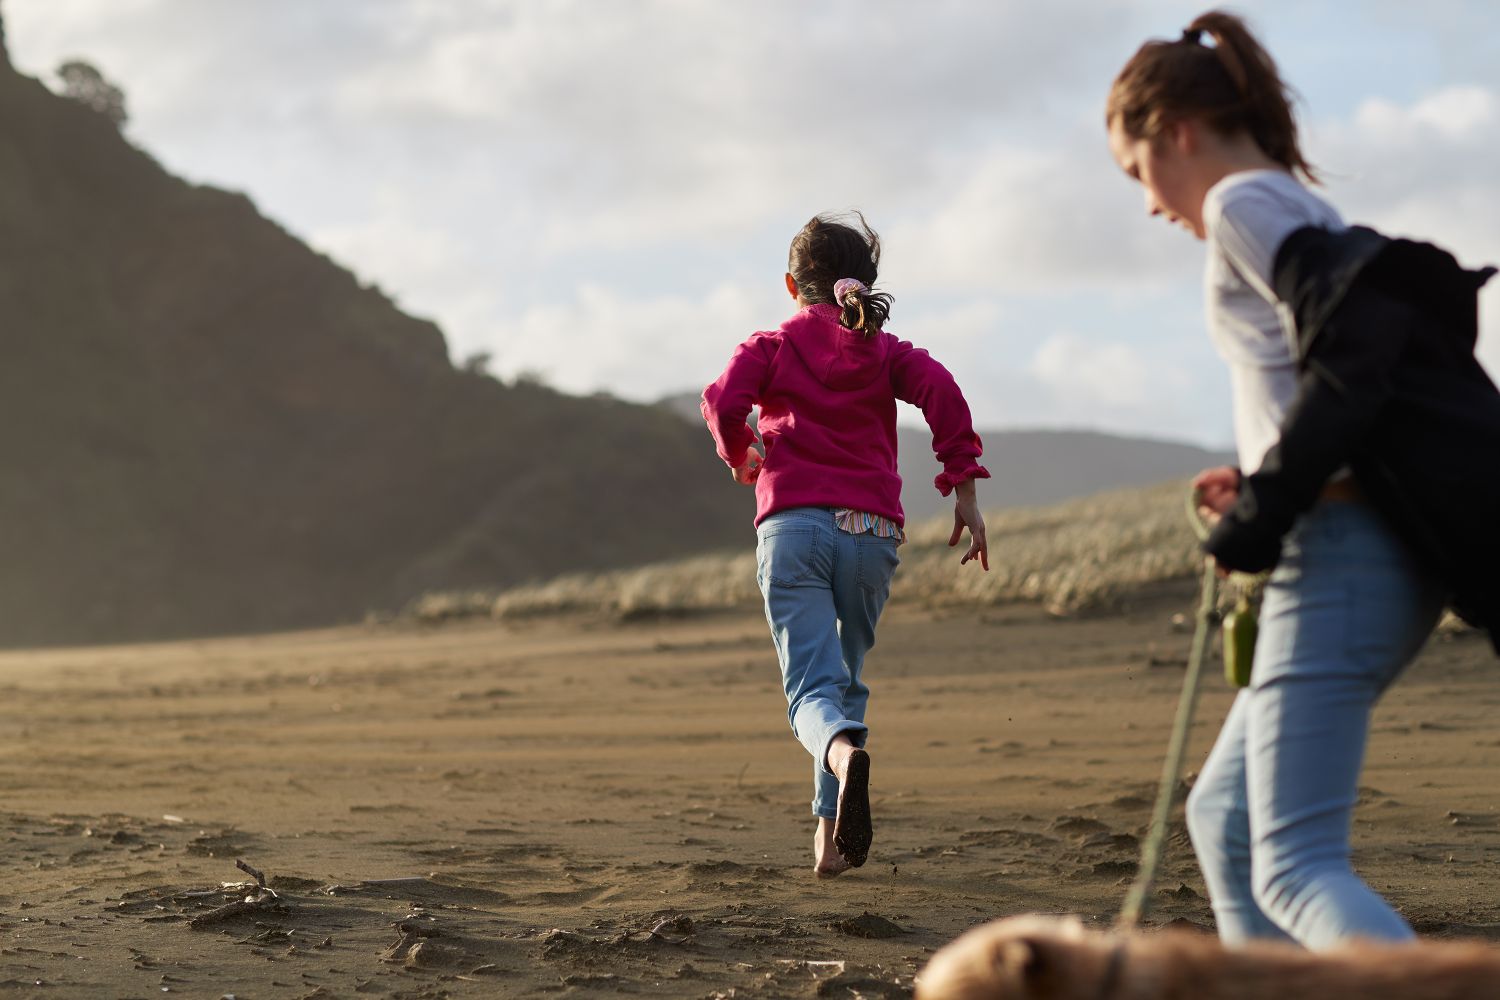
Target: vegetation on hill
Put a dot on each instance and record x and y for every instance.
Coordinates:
(1076, 557)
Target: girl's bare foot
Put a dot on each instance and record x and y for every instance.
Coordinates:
(828, 861)
(853, 831)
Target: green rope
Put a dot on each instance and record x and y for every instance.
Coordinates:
(1200, 527)
(1137, 900)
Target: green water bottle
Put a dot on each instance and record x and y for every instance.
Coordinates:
(1240, 628)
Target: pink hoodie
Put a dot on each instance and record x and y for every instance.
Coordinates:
(827, 398)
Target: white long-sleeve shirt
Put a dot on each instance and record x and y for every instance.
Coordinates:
(1245, 217)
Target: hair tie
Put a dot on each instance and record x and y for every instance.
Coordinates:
(1193, 36)
(844, 286)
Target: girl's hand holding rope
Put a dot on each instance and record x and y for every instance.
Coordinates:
(1214, 494)
(1217, 490)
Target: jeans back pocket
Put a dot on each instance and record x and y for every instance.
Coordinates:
(878, 560)
(787, 554)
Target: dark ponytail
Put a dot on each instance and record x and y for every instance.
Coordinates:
(864, 310)
(1232, 86)
(827, 249)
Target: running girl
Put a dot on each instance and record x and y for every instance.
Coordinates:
(1354, 390)
(828, 509)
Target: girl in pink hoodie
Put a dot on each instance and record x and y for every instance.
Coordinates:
(828, 498)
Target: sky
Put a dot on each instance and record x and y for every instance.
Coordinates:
(600, 193)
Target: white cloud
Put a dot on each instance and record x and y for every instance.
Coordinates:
(957, 324)
(1426, 169)
(1452, 114)
(636, 348)
(1032, 219)
(603, 192)
(43, 22)
(390, 247)
(1106, 377)
(662, 121)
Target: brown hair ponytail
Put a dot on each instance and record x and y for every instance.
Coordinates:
(827, 249)
(862, 309)
(1233, 86)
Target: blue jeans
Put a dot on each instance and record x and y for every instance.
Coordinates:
(824, 590)
(1269, 816)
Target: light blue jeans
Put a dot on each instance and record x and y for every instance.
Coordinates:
(824, 590)
(1269, 816)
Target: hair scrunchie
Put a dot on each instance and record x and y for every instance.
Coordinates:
(844, 286)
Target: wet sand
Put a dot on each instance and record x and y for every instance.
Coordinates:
(575, 806)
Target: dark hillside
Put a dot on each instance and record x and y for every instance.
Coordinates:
(208, 427)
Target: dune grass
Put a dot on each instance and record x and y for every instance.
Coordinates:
(1076, 557)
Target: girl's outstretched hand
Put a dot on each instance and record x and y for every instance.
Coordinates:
(1218, 489)
(966, 515)
(747, 472)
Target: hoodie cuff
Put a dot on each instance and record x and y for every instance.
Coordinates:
(1243, 546)
(949, 478)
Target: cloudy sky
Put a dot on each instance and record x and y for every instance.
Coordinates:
(602, 191)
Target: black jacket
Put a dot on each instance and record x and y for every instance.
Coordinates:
(1389, 387)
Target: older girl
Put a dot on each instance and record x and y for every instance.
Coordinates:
(1348, 354)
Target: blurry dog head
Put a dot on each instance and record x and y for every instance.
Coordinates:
(1020, 958)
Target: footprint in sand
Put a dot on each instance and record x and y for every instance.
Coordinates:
(1078, 827)
(574, 897)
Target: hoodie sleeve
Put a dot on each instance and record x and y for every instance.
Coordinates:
(927, 385)
(727, 401)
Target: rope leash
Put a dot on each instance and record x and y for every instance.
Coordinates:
(1137, 900)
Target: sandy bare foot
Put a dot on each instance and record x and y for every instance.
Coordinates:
(852, 831)
(827, 860)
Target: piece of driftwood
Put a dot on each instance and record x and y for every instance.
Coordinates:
(258, 876)
(262, 896)
(230, 911)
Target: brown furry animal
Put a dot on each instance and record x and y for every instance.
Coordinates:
(1049, 958)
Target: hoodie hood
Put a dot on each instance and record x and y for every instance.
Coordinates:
(841, 358)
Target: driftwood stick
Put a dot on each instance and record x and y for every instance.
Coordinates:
(258, 876)
(220, 914)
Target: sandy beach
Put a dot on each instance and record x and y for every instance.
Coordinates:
(574, 805)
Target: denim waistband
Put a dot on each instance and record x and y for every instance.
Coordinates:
(1350, 532)
(821, 514)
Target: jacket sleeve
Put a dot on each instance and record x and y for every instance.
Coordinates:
(927, 385)
(726, 403)
(1347, 378)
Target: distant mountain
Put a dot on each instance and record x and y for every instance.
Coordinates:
(208, 427)
(1031, 467)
